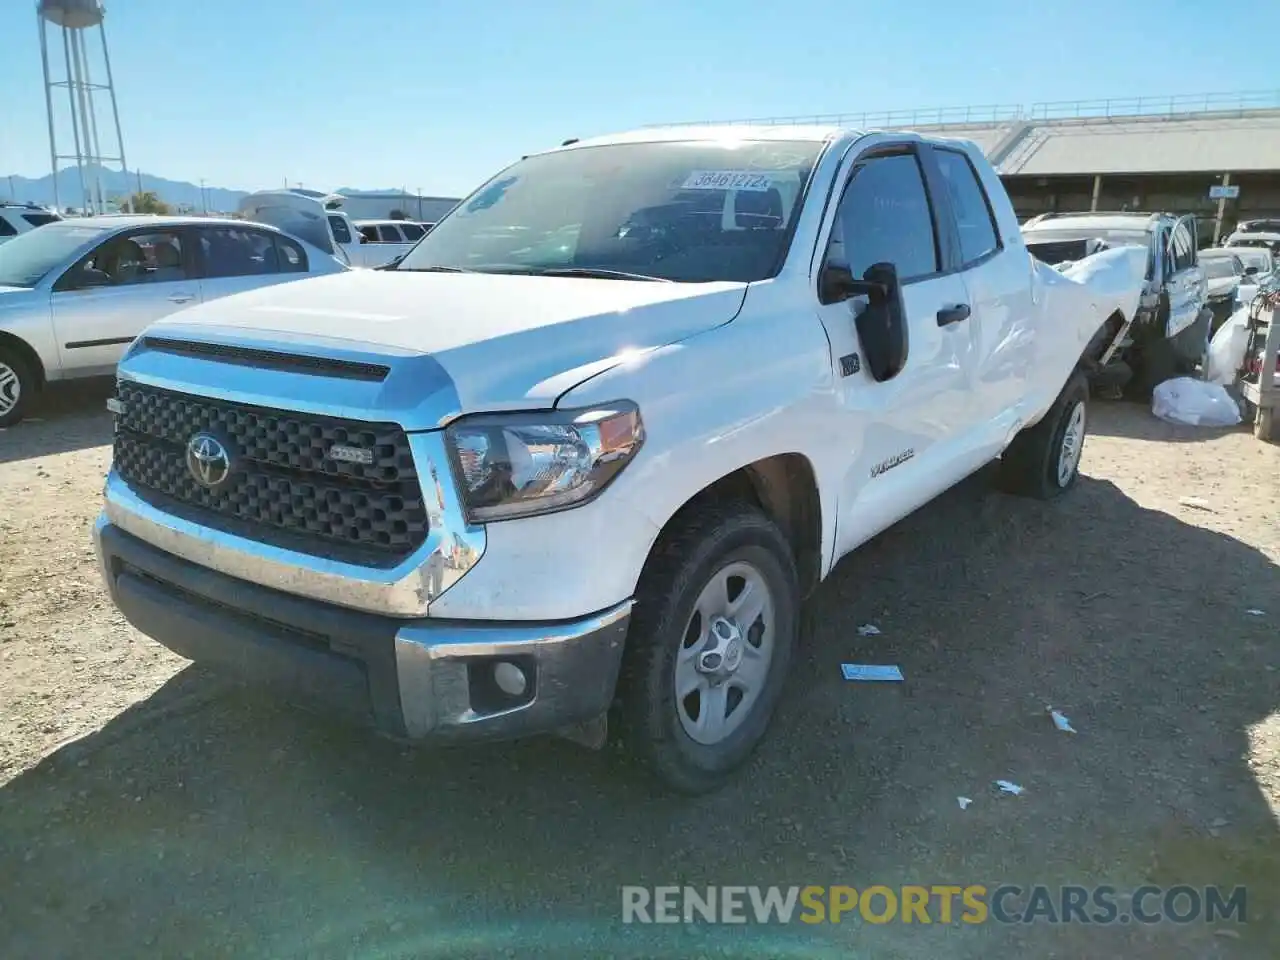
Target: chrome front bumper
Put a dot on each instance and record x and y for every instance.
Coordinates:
(414, 678)
(451, 549)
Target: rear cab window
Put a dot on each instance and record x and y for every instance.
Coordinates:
(340, 232)
(975, 222)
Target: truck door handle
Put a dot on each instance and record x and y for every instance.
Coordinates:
(950, 315)
(181, 297)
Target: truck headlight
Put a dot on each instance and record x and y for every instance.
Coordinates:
(518, 465)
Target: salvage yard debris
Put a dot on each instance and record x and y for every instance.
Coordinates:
(866, 671)
(1061, 722)
(1194, 403)
(868, 630)
(1007, 786)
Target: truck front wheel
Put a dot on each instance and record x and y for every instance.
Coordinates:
(709, 645)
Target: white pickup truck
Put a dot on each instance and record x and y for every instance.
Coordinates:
(585, 450)
(319, 219)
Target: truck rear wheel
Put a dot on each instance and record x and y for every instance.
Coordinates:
(1044, 461)
(709, 645)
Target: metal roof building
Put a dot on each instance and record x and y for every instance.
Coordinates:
(1122, 154)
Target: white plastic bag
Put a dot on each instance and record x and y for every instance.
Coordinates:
(1226, 350)
(1196, 403)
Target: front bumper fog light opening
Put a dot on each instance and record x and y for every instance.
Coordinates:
(498, 684)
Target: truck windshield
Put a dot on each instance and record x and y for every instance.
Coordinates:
(1058, 251)
(688, 212)
(1218, 268)
(26, 258)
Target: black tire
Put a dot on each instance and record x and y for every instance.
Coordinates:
(22, 387)
(1029, 467)
(1157, 362)
(700, 543)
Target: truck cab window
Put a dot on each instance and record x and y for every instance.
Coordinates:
(1184, 254)
(974, 223)
(340, 232)
(884, 217)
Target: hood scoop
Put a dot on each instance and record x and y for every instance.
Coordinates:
(270, 359)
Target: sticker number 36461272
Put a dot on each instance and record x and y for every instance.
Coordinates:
(726, 180)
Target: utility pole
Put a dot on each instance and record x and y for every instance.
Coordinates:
(12, 196)
(204, 200)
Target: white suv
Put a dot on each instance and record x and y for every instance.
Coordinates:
(16, 218)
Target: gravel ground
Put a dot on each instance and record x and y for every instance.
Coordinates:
(148, 809)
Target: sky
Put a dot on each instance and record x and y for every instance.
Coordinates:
(436, 96)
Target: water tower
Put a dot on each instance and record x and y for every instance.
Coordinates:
(77, 125)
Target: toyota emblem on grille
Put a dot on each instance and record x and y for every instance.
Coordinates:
(208, 460)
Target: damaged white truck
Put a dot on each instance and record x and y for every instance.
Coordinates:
(572, 465)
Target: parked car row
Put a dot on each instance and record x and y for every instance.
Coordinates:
(75, 293)
(19, 218)
(1169, 334)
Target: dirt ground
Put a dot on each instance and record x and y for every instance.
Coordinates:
(146, 808)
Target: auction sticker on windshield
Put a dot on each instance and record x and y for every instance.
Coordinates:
(728, 180)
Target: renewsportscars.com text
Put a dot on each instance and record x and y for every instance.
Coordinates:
(936, 903)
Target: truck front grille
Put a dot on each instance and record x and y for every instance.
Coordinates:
(282, 485)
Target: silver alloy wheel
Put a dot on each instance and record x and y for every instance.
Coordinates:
(723, 662)
(10, 389)
(1072, 445)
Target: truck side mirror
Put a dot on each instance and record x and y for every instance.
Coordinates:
(882, 325)
(1250, 271)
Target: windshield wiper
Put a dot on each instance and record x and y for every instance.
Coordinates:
(434, 268)
(597, 273)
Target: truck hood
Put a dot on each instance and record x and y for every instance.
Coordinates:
(492, 341)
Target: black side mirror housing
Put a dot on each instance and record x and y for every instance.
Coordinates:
(1250, 271)
(882, 325)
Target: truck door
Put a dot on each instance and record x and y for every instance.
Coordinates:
(898, 437)
(1185, 285)
(1001, 340)
(113, 292)
(345, 238)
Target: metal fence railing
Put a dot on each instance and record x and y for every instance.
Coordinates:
(1001, 114)
(1181, 105)
(988, 114)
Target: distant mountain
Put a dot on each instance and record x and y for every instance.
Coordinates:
(179, 194)
(176, 193)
